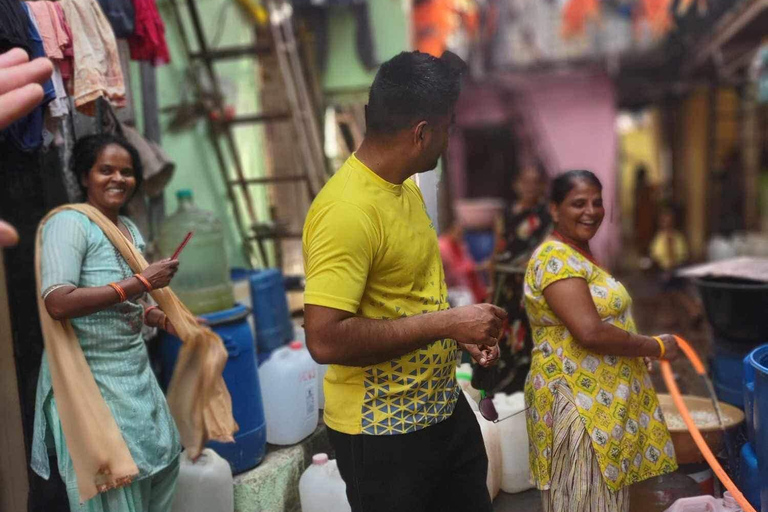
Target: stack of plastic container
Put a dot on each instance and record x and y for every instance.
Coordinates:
(203, 284)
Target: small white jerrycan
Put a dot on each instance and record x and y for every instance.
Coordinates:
(204, 485)
(321, 488)
(706, 504)
(492, 442)
(514, 442)
(289, 390)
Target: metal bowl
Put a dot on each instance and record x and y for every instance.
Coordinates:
(685, 448)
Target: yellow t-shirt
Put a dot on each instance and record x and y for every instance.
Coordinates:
(371, 249)
(614, 395)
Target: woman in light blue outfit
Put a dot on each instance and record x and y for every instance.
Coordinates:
(87, 281)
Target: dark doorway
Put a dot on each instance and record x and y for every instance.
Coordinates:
(490, 161)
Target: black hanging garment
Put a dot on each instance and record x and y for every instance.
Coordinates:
(13, 26)
(121, 16)
(316, 13)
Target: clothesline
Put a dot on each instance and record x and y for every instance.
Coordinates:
(80, 38)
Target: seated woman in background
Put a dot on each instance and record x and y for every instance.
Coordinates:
(86, 283)
(525, 223)
(594, 422)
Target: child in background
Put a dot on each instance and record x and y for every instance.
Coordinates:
(669, 251)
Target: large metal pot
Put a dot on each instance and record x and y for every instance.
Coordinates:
(685, 448)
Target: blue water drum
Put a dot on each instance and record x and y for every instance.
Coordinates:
(727, 367)
(749, 476)
(759, 361)
(270, 310)
(749, 397)
(242, 378)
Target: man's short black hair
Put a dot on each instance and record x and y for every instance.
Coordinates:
(413, 87)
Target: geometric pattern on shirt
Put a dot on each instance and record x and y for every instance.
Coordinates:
(411, 392)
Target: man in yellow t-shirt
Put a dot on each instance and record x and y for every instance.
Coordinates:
(376, 308)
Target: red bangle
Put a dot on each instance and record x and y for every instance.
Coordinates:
(120, 292)
(144, 281)
(146, 313)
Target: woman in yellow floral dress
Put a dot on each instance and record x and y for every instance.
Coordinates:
(594, 422)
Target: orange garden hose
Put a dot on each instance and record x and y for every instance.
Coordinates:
(677, 398)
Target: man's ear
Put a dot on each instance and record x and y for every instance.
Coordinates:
(419, 132)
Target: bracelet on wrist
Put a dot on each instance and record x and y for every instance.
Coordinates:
(120, 291)
(147, 285)
(146, 314)
(662, 348)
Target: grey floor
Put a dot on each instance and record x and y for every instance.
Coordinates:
(528, 501)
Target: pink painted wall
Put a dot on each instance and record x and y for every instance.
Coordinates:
(576, 120)
(574, 117)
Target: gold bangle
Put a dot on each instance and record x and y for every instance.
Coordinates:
(661, 347)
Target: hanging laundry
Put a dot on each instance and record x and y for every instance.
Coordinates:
(317, 13)
(66, 66)
(148, 41)
(13, 26)
(121, 16)
(97, 71)
(576, 15)
(437, 23)
(27, 133)
(55, 41)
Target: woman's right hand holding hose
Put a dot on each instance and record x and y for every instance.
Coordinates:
(671, 348)
(160, 273)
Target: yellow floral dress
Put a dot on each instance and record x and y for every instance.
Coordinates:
(614, 395)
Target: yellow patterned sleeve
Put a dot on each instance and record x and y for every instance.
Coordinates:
(555, 262)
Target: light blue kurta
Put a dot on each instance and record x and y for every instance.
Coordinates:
(76, 252)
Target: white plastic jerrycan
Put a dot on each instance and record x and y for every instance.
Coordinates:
(514, 442)
(492, 443)
(289, 391)
(321, 488)
(204, 485)
(322, 369)
(706, 504)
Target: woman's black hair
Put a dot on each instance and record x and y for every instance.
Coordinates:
(87, 150)
(565, 182)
